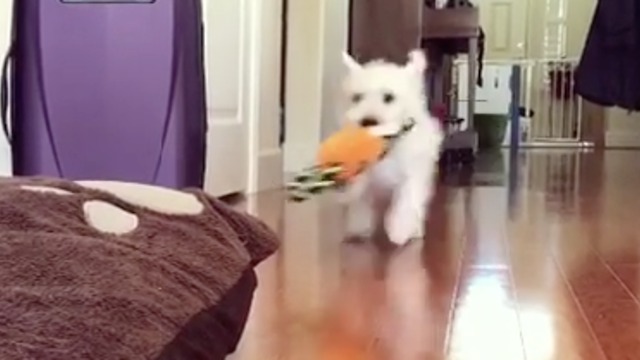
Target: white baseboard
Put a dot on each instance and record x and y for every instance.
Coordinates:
(622, 140)
(270, 169)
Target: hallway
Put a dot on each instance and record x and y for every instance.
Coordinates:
(548, 270)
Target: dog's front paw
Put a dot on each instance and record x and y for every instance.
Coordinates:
(402, 229)
(418, 233)
(359, 224)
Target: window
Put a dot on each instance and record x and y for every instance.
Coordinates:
(555, 29)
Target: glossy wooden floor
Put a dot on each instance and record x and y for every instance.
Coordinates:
(546, 269)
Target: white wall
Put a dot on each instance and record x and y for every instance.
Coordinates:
(622, 128)
(579, 15)
(317, 35)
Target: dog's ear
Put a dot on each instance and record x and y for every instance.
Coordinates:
(417, 61)
(350, 62)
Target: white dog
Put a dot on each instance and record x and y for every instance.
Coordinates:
(384, 97)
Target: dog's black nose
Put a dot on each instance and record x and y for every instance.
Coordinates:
(368, 122)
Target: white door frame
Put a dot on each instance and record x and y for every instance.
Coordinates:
(316, 37)
(253, 95)
(265, 150)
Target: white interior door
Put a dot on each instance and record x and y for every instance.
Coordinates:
(227, 44)
(505, 25)
(5, 32)
(494, 97)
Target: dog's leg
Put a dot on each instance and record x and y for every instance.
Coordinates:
(405, 220)
(360, 213)
(360, 218)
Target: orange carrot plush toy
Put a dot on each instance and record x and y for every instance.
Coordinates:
(341, 158)
(352, 149)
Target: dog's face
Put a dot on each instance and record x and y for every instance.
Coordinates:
(383, 96)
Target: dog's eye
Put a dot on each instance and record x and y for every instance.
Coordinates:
(388, 98)
(356, 98)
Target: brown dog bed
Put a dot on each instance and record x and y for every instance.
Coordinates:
(100, 270)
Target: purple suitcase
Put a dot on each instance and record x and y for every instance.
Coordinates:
(108, 89)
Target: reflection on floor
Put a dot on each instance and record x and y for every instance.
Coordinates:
(548, 271)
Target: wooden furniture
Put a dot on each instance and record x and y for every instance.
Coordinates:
(384, 29)
(447, 33)
(390, 29)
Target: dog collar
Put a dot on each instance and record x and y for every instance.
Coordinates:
(406, 127)
(391, 139)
